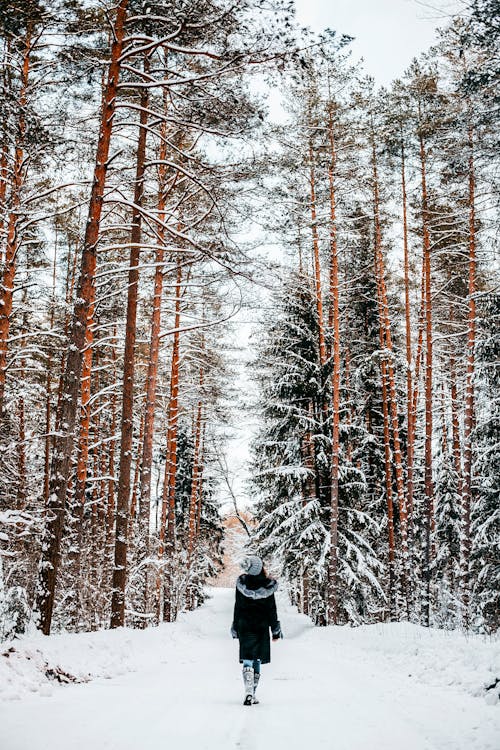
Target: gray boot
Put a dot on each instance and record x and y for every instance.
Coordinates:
(256, 678)
(248, 681)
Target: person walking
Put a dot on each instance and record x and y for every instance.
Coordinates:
(254, 615)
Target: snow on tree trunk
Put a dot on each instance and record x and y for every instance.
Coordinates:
(127, 423)
(70, 381)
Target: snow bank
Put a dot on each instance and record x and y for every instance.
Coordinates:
(39, 664)
(449, 659)
(441, 658)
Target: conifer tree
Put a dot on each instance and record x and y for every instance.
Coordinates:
(485, 513)
(294, 513)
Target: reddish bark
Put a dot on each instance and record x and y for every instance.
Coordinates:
(193, 502)
(167, 523)
(12, 244)
(154, 349)
(409, 381)
(21, 445)
(455, 427)
(3, 189)
(21, 454)
(414, 398)
(4, 173)
(110, 505)
(389, 376)
(95, 532)
(135, 483)
(78, 500)
(48, 394)
(47, 440)
(200, 479)
(428, 481)
(334, 307)
(388, 489)
(469, 391)
(66, 418)
(309, 493)
(84, 435)
(317, 266)
(127, 422)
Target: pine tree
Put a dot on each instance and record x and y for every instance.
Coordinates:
(290, 454)
(485, 513)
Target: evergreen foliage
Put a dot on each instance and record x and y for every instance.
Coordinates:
(291, 468)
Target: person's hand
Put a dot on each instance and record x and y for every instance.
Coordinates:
(234, 632)
(277, 633)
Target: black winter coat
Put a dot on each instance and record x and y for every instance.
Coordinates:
(254, 613)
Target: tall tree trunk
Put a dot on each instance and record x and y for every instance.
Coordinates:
(428, 481)
(416, 382)
(388, 490)
(308, 493)
(347, 386)
(200, 479)
(469, 392)
(4, 158)
(317, 265)
(194, 499)
(48, 424)
(12, 245)
(101, 526)
(455, 427)
(21, 445)
(63, 442)
(334, 303)
(127, 422)
(48, 387)
(409, 383)
(193, 502)
(111, 501)
(386, 344)
(78, 501)
(167, 523)
(21, 451)
(94, 545)
(3, 189)
(152, 375)
(83, 440)
(135, 483)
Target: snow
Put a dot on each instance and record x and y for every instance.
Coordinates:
(388, 686)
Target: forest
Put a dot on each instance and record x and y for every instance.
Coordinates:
(149, 203)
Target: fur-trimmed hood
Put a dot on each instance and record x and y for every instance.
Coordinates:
(258, 588)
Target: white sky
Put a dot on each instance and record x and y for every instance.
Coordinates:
(389, 33)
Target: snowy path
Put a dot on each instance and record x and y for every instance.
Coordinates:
(323, 690)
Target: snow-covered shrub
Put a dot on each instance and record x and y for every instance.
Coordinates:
(14, 612)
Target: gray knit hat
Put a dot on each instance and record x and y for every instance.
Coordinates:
(252, 565)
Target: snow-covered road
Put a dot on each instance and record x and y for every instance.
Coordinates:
(331, 688)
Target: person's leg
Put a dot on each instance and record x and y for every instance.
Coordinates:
(256, 677)
(248, 680)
